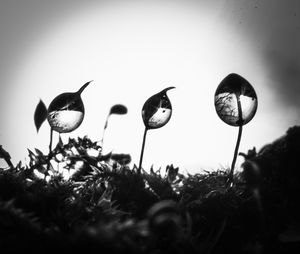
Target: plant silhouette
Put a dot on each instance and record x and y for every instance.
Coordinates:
(236, 105)
(65, 114)
(156, 113)
(117, 109)
(40, 115)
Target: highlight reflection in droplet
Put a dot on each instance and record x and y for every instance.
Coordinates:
(65, 121)
(66, 111)
(157, 110)
(235, 100)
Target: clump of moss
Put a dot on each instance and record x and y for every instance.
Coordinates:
(106, 205)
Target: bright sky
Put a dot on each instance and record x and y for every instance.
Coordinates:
(132, 50)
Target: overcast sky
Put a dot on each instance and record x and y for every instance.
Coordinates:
(133, 49)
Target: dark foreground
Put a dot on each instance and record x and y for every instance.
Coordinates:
(106, 207)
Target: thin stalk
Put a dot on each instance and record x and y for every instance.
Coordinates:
(142, 151)
(230, 180)
(51, 139)
(235, 155)
(50, 149)
(104, 129)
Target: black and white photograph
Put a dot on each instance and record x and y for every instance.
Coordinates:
(150, 126)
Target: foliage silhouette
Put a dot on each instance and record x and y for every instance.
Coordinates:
(156, 112)
(40, 115)
(236, 105)
(107, 206)
(117, 109)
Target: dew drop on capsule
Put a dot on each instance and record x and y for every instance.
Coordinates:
(235, 100)
(66, 111)
(157, 110)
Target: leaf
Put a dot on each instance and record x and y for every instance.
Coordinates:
(40, 115)
(3, 153)
(38, 152)
(172, 173)
(118, 109)
(6, 156)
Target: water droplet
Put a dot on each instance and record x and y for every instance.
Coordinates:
(235, 100)
(66, 111)
(64, 121)
(157, 110)
(160, 117)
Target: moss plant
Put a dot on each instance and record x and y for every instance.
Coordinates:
(236, 105)
(156, 113)
(109, 207)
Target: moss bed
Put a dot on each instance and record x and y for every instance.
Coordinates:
(107, 207)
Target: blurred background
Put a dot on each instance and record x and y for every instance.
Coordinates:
(132, 49)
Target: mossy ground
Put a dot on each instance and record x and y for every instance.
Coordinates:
(107, 207)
